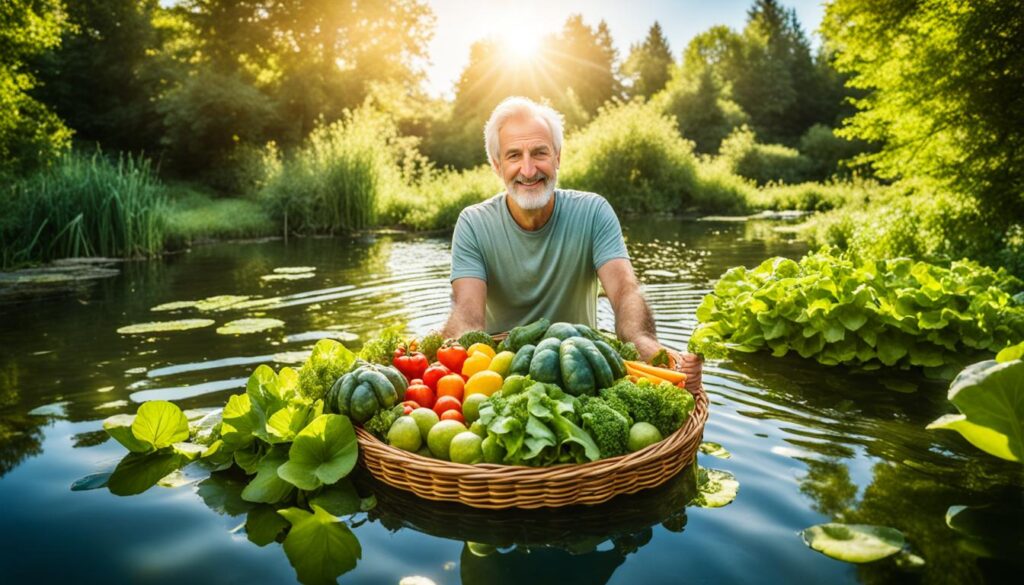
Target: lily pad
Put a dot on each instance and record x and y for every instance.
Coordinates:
(319, 546)
(715, 488)
(246, 326)
(165, 326)
(111, 404)
(715, 450)
(214, 303)
(294, 269)
(854, 543)
(288, 276)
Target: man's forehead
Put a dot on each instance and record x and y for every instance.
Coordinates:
(524, 130)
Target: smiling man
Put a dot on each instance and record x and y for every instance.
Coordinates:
(536, 251)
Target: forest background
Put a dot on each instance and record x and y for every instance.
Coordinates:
(129, 128)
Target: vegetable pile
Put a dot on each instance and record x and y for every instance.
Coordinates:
(843, 310)
(549, 393)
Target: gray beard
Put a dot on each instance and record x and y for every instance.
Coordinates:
(532, 202)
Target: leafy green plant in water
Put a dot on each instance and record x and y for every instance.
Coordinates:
(854, 543)
(990, 398)
(839, 309)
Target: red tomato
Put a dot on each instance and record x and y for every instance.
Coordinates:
(412, 364)
(421, 394)
(435, 372)
(453, 415)
(452, 356)
(446, 403)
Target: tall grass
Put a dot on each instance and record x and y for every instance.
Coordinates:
(816, 196)
(334, 181)
(84, 205)
(435, 201)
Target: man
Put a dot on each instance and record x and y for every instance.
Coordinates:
(535, 251)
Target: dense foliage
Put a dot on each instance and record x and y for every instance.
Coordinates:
(839, 309)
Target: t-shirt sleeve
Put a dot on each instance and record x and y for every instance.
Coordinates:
(467, 259)
(608, 242)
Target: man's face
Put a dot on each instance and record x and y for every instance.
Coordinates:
(527, 161)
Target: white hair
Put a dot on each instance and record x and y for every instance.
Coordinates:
(512, 107)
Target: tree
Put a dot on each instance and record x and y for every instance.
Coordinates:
(30, 133)
(702, 106)
(943, 82)
(104, 79)
(649, 63)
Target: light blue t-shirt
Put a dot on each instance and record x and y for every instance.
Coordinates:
(551, 272)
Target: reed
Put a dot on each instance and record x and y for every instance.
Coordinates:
(84, 205)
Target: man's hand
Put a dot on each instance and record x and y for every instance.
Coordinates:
(687, 363)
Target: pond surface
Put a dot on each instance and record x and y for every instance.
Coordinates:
(809, 444)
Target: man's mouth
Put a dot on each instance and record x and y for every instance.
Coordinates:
(531, 182)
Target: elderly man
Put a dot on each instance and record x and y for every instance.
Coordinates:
(535, 251)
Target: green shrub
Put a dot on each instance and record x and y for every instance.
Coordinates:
(435, 202)
(842, 309)
(762, 163)
(912, 219)
(334, 182)
(703, 108)
(719, 190)
(84, 206)
(633, 156)
(828, 154)
(814, 196)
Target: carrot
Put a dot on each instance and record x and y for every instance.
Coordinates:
(641, 374)
(664, 373)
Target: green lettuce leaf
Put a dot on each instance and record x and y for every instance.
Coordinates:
(322, 453)
(319, 546)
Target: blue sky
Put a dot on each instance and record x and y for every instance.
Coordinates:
(461, 22)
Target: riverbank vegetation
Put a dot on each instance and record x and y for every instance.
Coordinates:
(207, 123)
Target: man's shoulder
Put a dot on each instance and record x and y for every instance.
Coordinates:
(487, 210)
(583, 201)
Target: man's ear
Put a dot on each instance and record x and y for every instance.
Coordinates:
(558, 159)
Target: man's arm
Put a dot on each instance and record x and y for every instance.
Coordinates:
(469, 300)
(634, 321)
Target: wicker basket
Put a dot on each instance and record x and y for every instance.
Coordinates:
(495, 487)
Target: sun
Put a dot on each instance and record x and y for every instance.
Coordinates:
(521, 46)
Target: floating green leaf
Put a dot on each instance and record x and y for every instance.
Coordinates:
(990, 398)
(340, 499)
(267, 487)
(247, 326)
(319, 546)
(854, 543)
(294, 269)
(324, 452)
(300, 276)
(138, 472)
(215, 303)
(165, 326)
(160, 423)
(715, 488)
(119, 426)
(263, 525)
(715, 450)
(1013, 352)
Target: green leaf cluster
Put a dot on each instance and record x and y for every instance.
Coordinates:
(329, 360)
(380, 349)
(839, 309)
(535, 424)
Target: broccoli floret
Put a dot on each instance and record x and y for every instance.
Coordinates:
(609, 427)
(663, 405)
(380, 423)
(430, 343)
(470, 337)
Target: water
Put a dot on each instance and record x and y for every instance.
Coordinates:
(809, 444)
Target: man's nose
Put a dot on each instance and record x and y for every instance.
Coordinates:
(528, 169)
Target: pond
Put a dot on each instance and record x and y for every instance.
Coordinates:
(808, 444)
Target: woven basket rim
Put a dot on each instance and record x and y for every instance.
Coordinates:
(673, 445)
